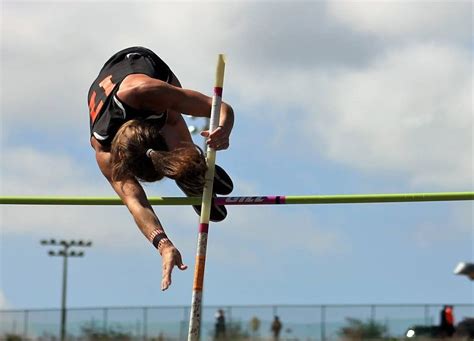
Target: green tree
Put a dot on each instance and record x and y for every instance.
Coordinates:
(12, 337)
(360, 330)
(93, 332)
(236, 332)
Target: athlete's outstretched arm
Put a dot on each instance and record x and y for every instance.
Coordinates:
(146, 93)
(134, 197)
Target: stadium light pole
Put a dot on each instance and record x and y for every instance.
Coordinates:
(65, 253)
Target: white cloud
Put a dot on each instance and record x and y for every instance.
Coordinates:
(70, 58)
(29, 171)
(448, 20)
(406, 114)
(409, 113)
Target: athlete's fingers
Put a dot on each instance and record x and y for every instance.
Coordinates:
(219, 131)
(169, 261)
(219, 145)
(167, 268)
(218, 139)
(165, 284)
(179, 263)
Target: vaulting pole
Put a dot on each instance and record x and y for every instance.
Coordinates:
(194, 333)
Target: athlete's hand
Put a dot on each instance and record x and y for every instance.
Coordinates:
(170, 258)
(218, 139)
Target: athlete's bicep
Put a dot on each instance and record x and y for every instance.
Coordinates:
(159, 96)
(190, 102)
(143, 92)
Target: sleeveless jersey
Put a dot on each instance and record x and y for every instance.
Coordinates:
(107, 112)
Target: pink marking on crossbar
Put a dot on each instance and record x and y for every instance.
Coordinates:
(278, 199)
(218, 91)
(268, 200)
(203, 228)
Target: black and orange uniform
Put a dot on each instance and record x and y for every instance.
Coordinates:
(107, 112)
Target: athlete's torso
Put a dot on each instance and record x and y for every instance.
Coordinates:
(107, 112)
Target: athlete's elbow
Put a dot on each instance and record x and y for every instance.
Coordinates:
(229, 111)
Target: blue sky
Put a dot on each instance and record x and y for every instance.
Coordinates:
(330, 98)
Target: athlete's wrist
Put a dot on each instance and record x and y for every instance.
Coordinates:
(165, 245)
(160, 240)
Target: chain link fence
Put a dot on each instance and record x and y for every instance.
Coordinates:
(299, 322)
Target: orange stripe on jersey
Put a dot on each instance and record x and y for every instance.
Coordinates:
(107, 85)
(94, 110)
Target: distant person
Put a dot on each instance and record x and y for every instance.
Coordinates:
(138, 134)
(276, 328)
(220, 330)
(447, 321)
(255, 325)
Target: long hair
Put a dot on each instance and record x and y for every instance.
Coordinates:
(133, 142)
